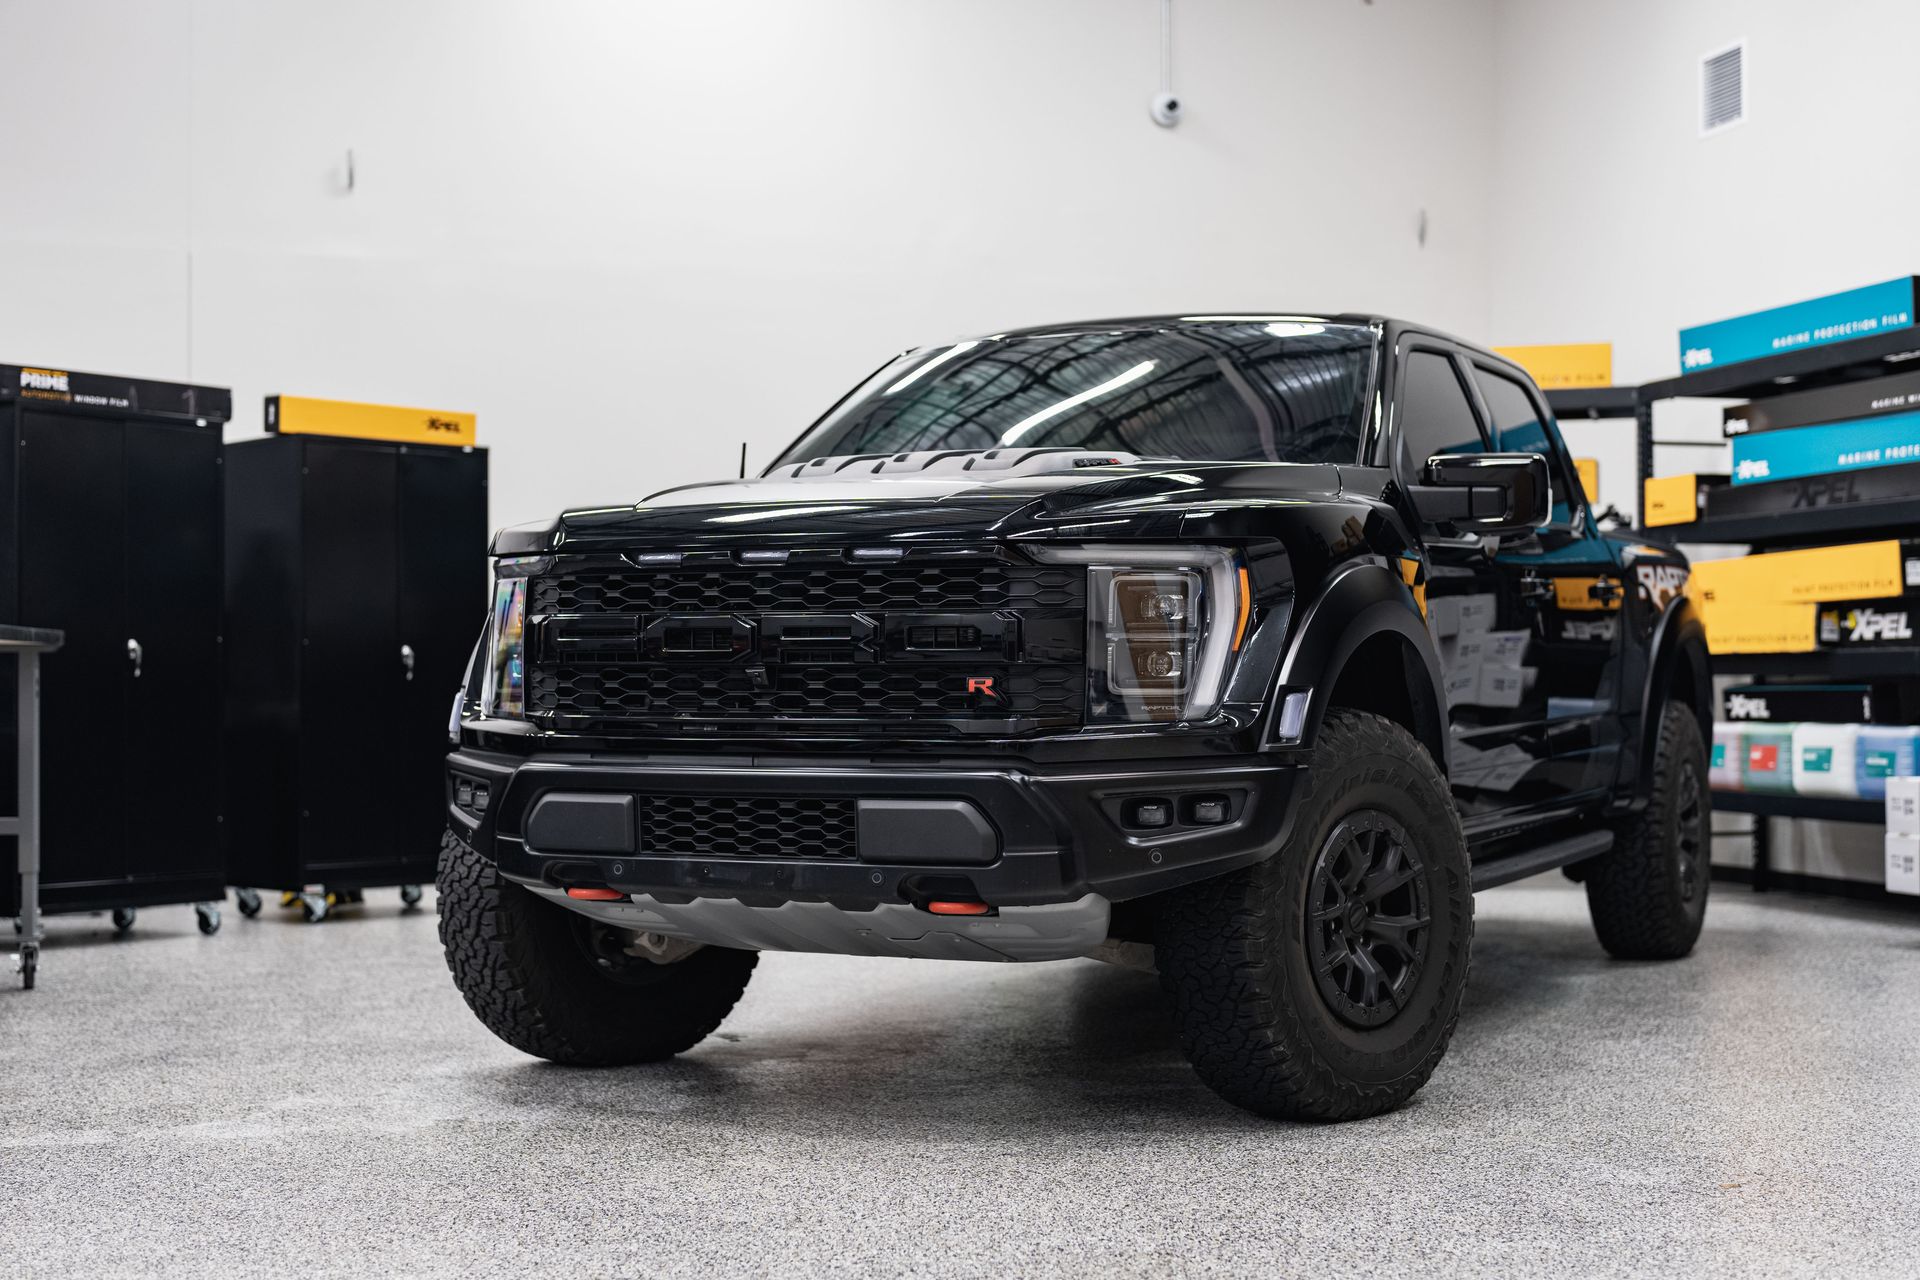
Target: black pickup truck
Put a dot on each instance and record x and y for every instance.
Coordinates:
(1244, 648)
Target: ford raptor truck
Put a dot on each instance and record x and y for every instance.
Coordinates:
(1243, 648)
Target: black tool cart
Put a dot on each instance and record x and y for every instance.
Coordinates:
(356, 587)
(110, 530)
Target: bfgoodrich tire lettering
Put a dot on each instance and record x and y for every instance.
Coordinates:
(530, 971)
(1237, 953)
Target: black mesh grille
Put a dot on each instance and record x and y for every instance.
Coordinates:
(895, 691)
(748, 827)
(778, 589)
(952, 644)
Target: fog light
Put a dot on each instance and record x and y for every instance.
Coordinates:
(1207, 811)
(1149, 814)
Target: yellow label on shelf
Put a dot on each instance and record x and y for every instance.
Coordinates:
(1589, 472)
(1855, 571)
(1669, 500)
(302, 415)
(1570, 364)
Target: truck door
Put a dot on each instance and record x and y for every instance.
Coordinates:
(1508, 615)
(1568, 579)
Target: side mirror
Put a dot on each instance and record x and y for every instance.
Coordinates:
(1486, 492)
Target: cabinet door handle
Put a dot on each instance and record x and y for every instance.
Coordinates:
(135, 655)
(406, 659)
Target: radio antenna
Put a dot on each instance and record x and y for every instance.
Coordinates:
(743, 459)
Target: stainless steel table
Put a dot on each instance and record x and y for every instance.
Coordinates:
(27, 644)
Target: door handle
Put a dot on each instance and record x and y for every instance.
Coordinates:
(1605, 590)
(406, 659)
(1535, 589)
(135, 655)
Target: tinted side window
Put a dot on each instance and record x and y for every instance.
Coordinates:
(1435, 415)
(1518, 428)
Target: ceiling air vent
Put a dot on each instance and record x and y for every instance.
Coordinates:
(1723, 88)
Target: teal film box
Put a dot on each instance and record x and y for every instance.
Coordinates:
(1838, 446)
(1857, 313)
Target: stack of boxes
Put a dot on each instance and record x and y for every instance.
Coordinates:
(1903, 835)
(1852, 596)
(1484, 666)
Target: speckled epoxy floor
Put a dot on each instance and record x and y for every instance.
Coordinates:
(289, 1099)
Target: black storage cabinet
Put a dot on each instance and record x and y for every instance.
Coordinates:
(356, 588)
(110, 530)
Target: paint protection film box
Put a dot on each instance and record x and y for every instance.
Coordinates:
(1858, 624)
(1857, 313)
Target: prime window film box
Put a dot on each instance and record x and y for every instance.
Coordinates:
(1838, 317)
(1859, 445)
(1769, 758)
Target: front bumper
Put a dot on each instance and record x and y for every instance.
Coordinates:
(1052, 834)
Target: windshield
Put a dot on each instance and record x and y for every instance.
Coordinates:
(1257, 390)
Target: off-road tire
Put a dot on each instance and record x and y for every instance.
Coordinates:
(524, 970)
(1233, 952)
(1646, 903)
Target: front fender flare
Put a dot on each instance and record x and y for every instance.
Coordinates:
(1358, 604)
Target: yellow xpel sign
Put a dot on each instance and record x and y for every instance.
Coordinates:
(300, 415)
(1575, 595)
(1670, 500)
(1413, 573)
(1570, 364)
(1589, 471)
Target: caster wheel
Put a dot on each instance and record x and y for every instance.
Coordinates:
(248, 900)
(29, 969)
(208, 917)
(410, 896)
(315, 907)
(123, 918)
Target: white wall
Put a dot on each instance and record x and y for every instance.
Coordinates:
(1615, 220)
(632, 235)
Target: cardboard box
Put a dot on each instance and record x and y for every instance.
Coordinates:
(1903, 863)
(1851, 571)
(1506, 648)
(1857, 313)
(1903, 806)
(1443, 615)
(1867, 624)
(1502, 686)
(1817, 703)
(1558, 366)
(1836, 447)
(1867, 399)
(1477, 613)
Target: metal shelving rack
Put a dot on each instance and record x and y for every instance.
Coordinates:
(1871, 357)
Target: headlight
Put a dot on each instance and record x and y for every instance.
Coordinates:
(503, 693)
(1162, 626)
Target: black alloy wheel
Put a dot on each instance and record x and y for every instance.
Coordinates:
(1367, 919)
(1689, 844)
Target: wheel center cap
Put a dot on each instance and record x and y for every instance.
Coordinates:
(1357, 917)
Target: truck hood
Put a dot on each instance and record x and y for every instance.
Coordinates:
(923, 498)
